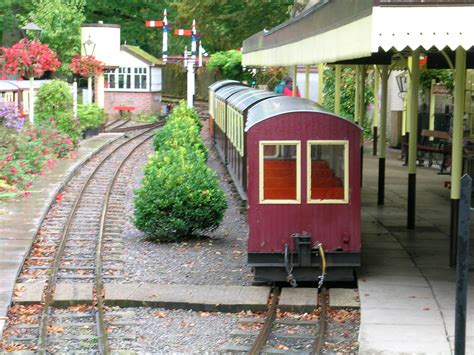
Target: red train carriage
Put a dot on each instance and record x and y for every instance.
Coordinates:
(300, 167)
(303, 181)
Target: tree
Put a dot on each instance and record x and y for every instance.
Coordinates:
(228, 63)
(131, 16)
(9, 24)
(224, 24)
(61, 23)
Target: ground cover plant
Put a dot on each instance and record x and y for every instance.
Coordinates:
(25, 151)
(179, 196)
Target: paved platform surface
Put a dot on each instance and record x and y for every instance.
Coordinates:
(21, 219)
(407, 290)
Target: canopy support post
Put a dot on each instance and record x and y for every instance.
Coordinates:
(383, 134)
(306, 82)
(456, 157)
(412, 139)
(295, 80)
(320, 83)
(376, 112)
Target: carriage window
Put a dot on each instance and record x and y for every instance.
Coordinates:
(327, 172)
(280, 172)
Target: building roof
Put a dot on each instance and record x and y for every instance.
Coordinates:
(333, 31)
(141, 54)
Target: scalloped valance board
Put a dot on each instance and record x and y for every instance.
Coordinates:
(386, 29)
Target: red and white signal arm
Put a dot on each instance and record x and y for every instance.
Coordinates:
(154, 23)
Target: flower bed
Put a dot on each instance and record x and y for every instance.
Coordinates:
(25, 152)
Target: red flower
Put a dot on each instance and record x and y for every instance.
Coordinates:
(86, 65)
(28, 58)
(13, 171)
(59, 197)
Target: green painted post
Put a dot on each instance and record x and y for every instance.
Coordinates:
(337, 91)
(406, 107)
(412, 139)
(362, 108)
(357, 94)
(432, 107)
(306, 82)
(376, 112)
(320, 83)
(383, 134)
(295, 80)
(456, 157)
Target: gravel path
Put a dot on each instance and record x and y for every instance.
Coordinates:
(219, 258)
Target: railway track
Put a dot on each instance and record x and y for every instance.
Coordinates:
(116, 124)
(280, 335)
(70, 249)
(120, 129)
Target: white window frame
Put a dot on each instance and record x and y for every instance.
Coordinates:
(344, 143)
(298, 172)
(124, 71)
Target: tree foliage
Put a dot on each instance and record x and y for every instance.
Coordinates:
(131, 16)
(224, 24)
(61, 23)
(348, 81)
(229, 64)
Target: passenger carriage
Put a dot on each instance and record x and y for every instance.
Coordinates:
(299, 168)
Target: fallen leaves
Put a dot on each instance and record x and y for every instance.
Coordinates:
(80, 308)
(343, 315)
(55, 330)
(159, 314)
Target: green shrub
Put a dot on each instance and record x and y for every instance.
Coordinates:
(146, 117)
(54, 99)
(180, 111)
(90, 116)
(180, 133)
(179, 197)
(182, 129)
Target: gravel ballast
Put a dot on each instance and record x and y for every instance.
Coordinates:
(218, 258)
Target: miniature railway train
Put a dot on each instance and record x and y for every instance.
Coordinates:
(298, 168)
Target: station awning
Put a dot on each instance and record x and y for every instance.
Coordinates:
(342, 31)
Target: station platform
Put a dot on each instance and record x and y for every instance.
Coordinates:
(406, 287)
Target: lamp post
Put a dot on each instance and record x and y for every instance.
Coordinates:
(402, 83)
(36, 30)
(32, 27)
(89, 48)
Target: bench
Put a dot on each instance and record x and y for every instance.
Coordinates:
(440, 145)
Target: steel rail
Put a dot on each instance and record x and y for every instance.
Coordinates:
(49, 290)
(121, 124)
(111, 123)
(262, 336)
(101, 331)
(131, 128)
(319, 341)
